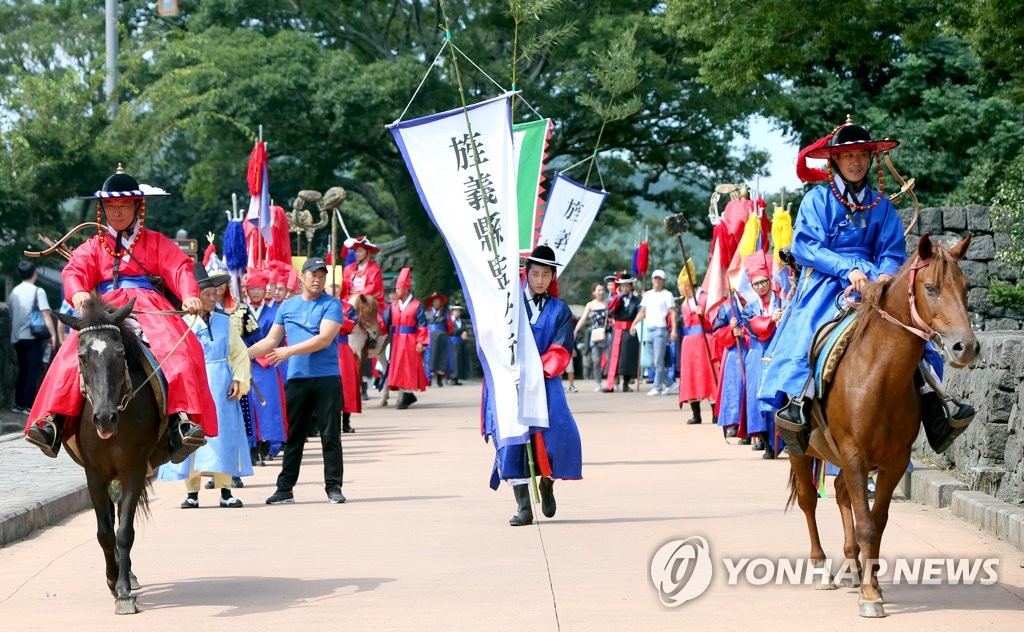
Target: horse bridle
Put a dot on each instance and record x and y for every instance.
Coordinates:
(129, 393)
(921, 329)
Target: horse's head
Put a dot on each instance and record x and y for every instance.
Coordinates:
(366, 310)
(103, 369)
(940, 291)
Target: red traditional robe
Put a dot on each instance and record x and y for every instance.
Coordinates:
(187, 387)
(369, 280)
(348, 363)
(696, 372)
(407, 327)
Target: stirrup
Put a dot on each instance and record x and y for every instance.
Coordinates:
(39, 438)
(182, 444)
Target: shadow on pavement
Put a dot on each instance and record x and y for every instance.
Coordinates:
(244, 595)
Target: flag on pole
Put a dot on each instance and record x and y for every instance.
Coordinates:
(568, 215)
(463, 165)
(531, 145)
(725, 269)
(259, 188)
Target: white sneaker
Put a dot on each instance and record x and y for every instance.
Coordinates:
(653, 392)
(670, 390)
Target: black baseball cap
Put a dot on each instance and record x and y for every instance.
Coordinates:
(313, 264)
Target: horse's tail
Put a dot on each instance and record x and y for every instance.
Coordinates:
(142, 509)
(792, 489)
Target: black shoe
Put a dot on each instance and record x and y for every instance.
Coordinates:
(190, 503)
(439, 379)
(347, 428)
(794, 431)
(769, 452)
(744, 441)
(184, 438)
(336, 496)
(231, 503)
(790, 413)
(406, 400)
(524, 515)
(695, 418)
(281, 498)
(940, 427)
(456, 382)
(759, 445)
(46, 437)
(237, 483)
(365, 395)
(626, 389)
(730, 431)
(547, 497)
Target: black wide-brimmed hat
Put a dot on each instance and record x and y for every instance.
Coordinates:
(544, 255)
(204, 279)
(122, 185)
(851, 137)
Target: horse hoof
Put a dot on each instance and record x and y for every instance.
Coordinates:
(849, 582)
(134, 581)
(125, 605)
(825, 585)
(872, 609)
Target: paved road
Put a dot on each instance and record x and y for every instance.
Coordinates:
(424, 544)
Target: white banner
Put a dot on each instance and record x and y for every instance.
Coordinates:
(570, 211)
(467, 183)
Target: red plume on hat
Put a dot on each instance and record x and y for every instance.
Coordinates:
(404, 278)
(811, 174)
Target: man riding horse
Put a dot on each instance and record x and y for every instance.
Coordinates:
(846, 235)
(123, 262)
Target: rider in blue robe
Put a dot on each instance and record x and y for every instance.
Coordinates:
(845, 234)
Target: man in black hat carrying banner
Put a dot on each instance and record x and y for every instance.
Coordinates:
(123, 261)
(557, 452)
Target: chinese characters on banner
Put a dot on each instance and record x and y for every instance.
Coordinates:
(467, 183)
(571, 210)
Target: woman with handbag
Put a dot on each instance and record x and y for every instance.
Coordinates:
(31, 331)
(595, 313)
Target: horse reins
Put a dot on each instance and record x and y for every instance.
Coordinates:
(919, 328)
(133, 392)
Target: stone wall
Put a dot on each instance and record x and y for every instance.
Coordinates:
(989, 455)
(949, 225)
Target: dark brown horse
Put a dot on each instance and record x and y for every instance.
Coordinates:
(123, 439)
(873, 406)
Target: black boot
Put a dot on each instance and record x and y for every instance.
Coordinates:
(183, 437)
(940, 427)
(265, 452)
(547, 497)
(406, 400)
(759, 444)
(46, 436)
(769, 451)
(346, 425)
(524, 515)
(625, 385)
(793, 428)
(695, 407)
(439, 379)
(365, 395)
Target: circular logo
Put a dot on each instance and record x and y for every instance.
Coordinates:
(681, 570)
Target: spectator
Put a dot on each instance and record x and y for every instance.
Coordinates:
(26, 297)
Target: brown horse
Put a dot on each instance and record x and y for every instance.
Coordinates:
(873, 406)
(367, 340)
(110, 361)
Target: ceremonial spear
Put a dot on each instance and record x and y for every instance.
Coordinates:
(677, 225)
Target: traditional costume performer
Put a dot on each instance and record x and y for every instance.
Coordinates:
(458, 358)
(697, 349)
(845, 233)
(407, 326)
(731, 376)
(352, 400)
(558, 452)
(127, 261)
(435, 356)
(624, 357)
(227, 369)
(363, 276)
(270, 414)
(759, 320)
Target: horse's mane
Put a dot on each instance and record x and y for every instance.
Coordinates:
(96, 311)
(872, 295)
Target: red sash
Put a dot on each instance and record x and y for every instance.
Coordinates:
(613, 355)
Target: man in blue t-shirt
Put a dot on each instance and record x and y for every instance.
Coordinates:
(311, 321)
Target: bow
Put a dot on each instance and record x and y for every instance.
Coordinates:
(906, 186)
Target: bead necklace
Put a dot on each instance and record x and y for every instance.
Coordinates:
(857, 207)
(117, 239)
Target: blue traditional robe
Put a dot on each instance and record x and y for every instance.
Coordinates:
(561, 440)
(228, 452)
(731, 386)
(758, 420)
(270, 416)
(829, 244)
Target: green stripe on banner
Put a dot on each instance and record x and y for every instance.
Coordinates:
(530, 144)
